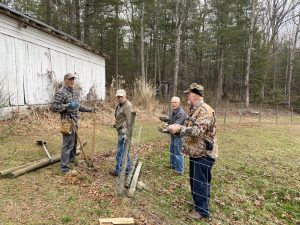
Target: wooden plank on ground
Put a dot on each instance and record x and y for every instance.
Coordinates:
(135, 180)
(117, 221)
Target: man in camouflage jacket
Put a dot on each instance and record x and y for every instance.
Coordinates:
(66, 102)
(200, 145)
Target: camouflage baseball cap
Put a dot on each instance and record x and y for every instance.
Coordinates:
(69, 76)
(195, 88)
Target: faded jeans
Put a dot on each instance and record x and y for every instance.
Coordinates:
(120, 152)
(176, 157)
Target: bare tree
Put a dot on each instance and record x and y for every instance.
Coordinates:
(117, 45)
(275, 16)
(179, 21)
(221, 69)
(249, 51)
(291, 62)
(181, 13)
(143, 75)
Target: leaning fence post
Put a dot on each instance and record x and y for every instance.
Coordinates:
(225, 113)
(276, 113)
(292, 112)
(121, 179)
(240, 112)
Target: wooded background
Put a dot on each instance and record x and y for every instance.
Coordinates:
(240, 50)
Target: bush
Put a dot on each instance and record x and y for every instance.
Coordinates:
(144, 93)
(4, 97)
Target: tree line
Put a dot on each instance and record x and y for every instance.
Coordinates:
(243, 50)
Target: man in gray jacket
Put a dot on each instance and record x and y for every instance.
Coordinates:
(177, 116)
(122, 115)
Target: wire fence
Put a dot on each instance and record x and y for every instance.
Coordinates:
(248, 199)
(234, 211)
(261, 114)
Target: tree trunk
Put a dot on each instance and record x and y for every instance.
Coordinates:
(143, 75)
(77, 19)
(117, 45)
(86, 32)
(221, 71)
(71, 11)
(249, 52)
(291, 66)
(49, 8)
(179, 21)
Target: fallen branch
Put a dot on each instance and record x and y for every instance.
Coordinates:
(36, 165)
(7, 171)
(20, 170)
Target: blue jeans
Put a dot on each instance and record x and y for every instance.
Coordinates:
(176, 157)
(120, 152)
(200, 177)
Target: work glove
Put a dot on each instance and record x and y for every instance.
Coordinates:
(164, 119)
(73, 105)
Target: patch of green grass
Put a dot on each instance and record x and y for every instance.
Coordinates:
(254, 181)
(65, 219)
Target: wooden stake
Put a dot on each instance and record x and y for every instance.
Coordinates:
(129, 177)
(121, 180)
(94, 133)
(135, 180)
(128, 181)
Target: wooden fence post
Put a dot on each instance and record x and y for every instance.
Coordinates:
(260, 109)
(121, 180)
(276, 113)
(240, 112)
(292, 112)
(225, 113)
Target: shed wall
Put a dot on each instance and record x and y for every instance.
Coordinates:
(29, 56)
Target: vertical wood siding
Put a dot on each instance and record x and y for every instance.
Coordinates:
(27, 55)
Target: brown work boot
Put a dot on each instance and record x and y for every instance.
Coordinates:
(113, 173)
(195, 216)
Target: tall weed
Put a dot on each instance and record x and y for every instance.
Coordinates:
(144, 93)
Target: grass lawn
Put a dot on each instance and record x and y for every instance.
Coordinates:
(255, 180)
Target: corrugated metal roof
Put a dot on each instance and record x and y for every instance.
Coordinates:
(45, 27)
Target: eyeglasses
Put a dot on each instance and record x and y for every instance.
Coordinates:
(72, 78)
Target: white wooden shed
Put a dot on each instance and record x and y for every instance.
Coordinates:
(33, 54)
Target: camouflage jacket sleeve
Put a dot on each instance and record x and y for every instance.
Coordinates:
(83, 109)
(197, 126)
